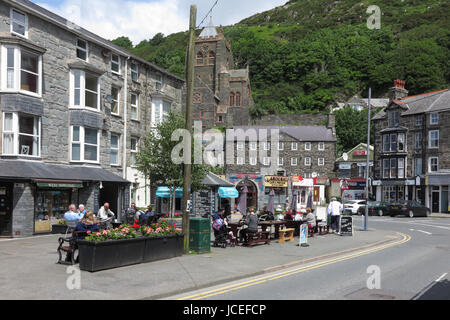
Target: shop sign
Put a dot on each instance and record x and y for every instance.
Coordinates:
(60, 185)
(360, 153)
(304, 183)
(276, 181)
(376, 183)
(345, 166)
(410, 182)
(363, 164)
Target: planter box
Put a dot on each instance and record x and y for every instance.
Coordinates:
(163, 248)
(59, 229)
(97, 256)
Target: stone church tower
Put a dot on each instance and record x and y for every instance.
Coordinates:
(222, 95)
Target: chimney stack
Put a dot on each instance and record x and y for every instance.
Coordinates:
(398, 91)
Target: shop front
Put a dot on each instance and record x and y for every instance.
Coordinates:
(255, 187)
(438, 193)
(394, 190)
(280, 185)
(6, 203)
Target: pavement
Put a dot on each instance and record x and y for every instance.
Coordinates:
(440, 215)
(30, 271)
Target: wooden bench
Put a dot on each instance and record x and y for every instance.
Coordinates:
(257, 237)
(286, 235)
(69, 250)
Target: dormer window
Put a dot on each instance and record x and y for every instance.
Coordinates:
(19, 23)
(394, 119)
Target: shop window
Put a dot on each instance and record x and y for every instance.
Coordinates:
(280, 195)
(21, 134)
(50, 206)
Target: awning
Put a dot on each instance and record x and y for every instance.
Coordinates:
(41, 183)
(227, 192)
(30, 170)
(164, 192)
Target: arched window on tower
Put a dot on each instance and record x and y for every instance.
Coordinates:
(200, 59)
(211, 58)
(232, 99)
(238, 99)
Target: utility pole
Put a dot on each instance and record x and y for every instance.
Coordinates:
(188, 142)
(366, 218)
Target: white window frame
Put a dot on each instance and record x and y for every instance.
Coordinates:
(240, 161)
(308, 162)
(266, 161)
(134, 106)
(294, 162)
(117, 101)
(82, 91)
(280, 146)
(430, 146)
(253, 161)
(159, 81)
(253, 146)
(307, 146)
(418, 121)
(429, 164)
(16, 135)
(118, 63)
(321, 162)
(266, 146)
(280, 161)
(240, 145)
(82, 144)
(85, 50)
(401, 168)
(395, 175)
(321, 146)
(294, 146)
(12, 23)
(434, 121)
(115, 149)
(133, 151)
(135, 72)
(403, 135)
(18, 71)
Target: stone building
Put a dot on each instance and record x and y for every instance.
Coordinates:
(222, 94)
(298, 158)
(73, 110)
(412, 148)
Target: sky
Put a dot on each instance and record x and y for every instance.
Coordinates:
(142, 19)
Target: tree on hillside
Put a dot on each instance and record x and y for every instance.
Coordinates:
(123, 42)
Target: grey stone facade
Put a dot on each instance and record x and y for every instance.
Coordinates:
(51, 38)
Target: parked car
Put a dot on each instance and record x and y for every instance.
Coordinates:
(409, 209)
(352, 206)
(376, 208)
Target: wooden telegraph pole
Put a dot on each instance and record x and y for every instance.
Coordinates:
(188, 146)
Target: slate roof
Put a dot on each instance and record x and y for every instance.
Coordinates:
(215, 181)
(423, 103)
(30, 170)
(300, 133)
(33, 8)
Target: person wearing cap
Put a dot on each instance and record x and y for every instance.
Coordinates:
(335, 209)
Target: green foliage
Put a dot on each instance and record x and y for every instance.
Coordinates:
(123, 42)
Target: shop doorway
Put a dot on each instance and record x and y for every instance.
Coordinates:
(6, 201)
(252, 195)
(110, 194)
(435, 200)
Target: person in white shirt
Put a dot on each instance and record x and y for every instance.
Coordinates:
(335, 209)
(105, 215)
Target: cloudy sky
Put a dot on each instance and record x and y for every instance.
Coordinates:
(142, 19)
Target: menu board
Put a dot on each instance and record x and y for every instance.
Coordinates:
(346, 226)
(203, 203)
(96, 200)
(276, 181)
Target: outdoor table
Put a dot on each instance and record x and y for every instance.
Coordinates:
(234, 226)
(265, 224)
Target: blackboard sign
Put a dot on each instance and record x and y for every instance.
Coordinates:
(96, 200)
(346, 226)
(202, 203)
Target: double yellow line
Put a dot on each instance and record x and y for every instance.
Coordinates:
(241, 285)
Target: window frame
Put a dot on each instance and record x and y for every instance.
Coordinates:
(116, 101)
(86, 50)
(416, 171)
(418, 121)
(394, 119)
(418, 140)
(294, 162)
(429, 164)
(16, 134)
(240, 145)
(134, 72)
(433, 123)
(280, 161)
(321, 146)
(134, 106)
(17, 70)
(266, 161)
(240, 161)
(280, 146)
(159, 82)
(118, 63)
(306, 146)
(12, 20)
(294, 144)
(321, 162)
(115, 149)
(82, 143)
(430, 146)
(253, 161)
(308, 162)
(133, 151)
(253, 146)
(83, 91)
(386, 168)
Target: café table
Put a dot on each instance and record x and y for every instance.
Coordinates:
(266, 224)
(234, 227)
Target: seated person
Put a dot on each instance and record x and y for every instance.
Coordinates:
(148, 216)
(298, 216)
(252, 223)
(289, 216)
(86, 224)
(310, 219)
(72, 214)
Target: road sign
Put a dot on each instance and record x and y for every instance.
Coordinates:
(344, 185)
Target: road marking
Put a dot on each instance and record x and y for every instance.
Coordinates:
(415, 223)
(441, 277)
(429, 233)
(241, 285)
(427, 288)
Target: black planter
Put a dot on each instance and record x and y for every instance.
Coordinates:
(163, 248)
(96, 256)
(59, 229)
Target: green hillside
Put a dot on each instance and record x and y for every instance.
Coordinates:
(307, 54)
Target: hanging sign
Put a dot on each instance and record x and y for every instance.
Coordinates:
(276, 181)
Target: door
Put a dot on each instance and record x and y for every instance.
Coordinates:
(110, 194)
(435, 202)
(6, 210)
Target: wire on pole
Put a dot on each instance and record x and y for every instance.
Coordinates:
(206, 16)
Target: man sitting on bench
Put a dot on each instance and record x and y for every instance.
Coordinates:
(252, 223)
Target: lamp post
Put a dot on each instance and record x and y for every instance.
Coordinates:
(366, 217)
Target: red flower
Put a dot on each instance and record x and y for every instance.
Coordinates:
(174, 226)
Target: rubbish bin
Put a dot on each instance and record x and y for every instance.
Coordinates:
(200, 235)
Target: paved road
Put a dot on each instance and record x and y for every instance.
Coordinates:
(418, 267)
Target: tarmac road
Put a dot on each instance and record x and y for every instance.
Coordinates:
(417, 267)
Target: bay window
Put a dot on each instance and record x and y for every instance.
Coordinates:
(21, 70)
(21, 134)
(393, 168)
(386, 168)
(85, 144)
(393, 142)
(85, 90)
(386, 143)
(401, 142)
(401, 168)
(161, 110)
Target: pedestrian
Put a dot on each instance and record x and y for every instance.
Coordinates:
(335, 210)
(72, 214)
(105, 215)
(252, 223)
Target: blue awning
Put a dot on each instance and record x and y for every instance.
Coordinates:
(226, 192)
(164, 192)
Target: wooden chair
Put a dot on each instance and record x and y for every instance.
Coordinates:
(286, 235)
